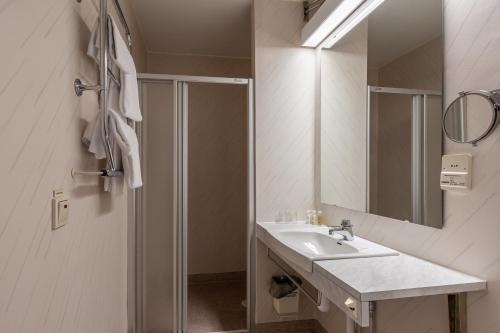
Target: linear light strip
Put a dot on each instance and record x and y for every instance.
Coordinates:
(341, 12)
(359, 15)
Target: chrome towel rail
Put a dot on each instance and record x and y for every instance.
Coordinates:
(123, 21)
(102, 87)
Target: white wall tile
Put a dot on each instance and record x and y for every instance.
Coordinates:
(73, 279)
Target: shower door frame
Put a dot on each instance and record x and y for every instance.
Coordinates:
(418, 154)
(180, 88)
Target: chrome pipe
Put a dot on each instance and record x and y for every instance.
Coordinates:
(123, 20)
(373, 318)
(75, 173)
(457, 312)
(103, 57)
(100, 173)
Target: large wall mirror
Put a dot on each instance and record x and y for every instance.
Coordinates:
(381, 110)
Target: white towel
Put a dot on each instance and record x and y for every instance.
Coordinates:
(129, 92)
(93, 137)
(94, 42)
(127, 141)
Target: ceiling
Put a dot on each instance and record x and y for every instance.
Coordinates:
(400, 26)
(201, 27)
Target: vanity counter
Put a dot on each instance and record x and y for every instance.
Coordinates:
(353, 284)
(382, 278)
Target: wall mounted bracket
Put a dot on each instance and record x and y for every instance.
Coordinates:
(80, 87)
(457, 312)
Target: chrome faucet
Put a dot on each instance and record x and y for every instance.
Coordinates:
(344, 229)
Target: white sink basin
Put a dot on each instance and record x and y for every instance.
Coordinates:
(315, 244)
(302, 244)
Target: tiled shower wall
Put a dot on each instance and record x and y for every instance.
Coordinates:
(285, 101)
(73, 279)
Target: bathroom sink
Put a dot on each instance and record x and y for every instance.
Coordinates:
(302, 244)
(315, 244)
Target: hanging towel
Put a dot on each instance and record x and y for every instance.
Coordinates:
(128, 103)
(93, 137)
(127, 141)
(129, 92)
(94, 42)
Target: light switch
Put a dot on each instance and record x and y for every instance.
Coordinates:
(60, 209)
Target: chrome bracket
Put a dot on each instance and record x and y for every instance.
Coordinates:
(80, 87)
(100, 173)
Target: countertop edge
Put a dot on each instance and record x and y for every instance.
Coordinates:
(423, 291)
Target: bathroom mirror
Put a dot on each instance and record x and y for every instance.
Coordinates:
(471, 117)
(381, 112)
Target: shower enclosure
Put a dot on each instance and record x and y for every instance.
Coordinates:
(187, 121)
(404, 154)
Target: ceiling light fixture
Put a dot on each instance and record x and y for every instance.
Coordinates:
(352, 21)
(332, 21)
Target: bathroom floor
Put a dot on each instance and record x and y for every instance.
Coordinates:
(215, 305)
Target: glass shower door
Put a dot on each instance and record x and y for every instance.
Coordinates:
(196, 142)
(217, 207)
(156, 233)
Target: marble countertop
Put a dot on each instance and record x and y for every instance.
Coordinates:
(382, 278)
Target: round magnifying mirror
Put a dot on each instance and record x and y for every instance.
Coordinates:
(471, 117)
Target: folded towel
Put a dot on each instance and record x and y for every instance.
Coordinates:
(127, 141)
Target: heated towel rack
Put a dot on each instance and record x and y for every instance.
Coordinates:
(111, 168)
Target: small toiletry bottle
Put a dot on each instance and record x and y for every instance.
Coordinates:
(308, 216)
(279, 217)
(314, 218)
(321, 219)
